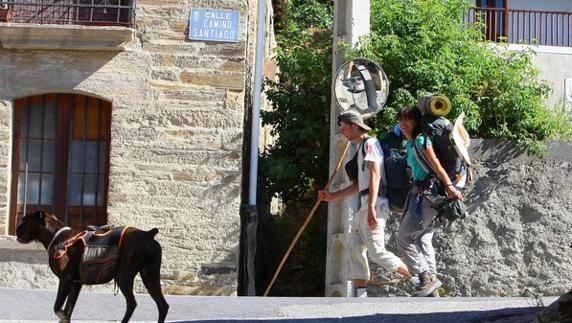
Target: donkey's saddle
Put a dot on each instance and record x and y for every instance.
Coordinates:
(100, 255)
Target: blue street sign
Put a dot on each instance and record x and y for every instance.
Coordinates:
(214, 25)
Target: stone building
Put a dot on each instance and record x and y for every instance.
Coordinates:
(110, 113)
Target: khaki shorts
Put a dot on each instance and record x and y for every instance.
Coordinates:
(363, 240)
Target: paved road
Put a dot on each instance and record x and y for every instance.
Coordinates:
(36, 306)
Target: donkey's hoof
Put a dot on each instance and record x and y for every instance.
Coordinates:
(62, 317)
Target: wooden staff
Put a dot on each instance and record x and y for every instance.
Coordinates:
(307, 221)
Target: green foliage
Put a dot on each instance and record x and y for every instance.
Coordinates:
(304, 271)
(425, 47)
(560, 119)
(298, 161)
(296, 166)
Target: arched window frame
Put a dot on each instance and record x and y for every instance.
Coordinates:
(79, 122)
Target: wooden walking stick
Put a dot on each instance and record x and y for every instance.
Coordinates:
(305, 224)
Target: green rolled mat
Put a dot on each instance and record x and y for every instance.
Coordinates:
(437, 105)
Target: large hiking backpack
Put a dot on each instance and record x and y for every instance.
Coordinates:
(438, 130)
(394, 183)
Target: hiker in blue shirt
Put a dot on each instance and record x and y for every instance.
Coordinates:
(416, 229)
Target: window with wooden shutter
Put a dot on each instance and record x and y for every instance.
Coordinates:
(61, 158)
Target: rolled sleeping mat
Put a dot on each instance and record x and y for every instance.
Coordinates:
(437, 105)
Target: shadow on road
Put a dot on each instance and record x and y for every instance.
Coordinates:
(525, 314)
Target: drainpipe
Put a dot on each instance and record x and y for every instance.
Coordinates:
(251, 223)
(258, 78)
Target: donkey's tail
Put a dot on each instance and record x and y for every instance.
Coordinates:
(153, 232)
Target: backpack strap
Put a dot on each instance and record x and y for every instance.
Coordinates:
(383, 186)
(424, 163)
(362, 148)
(383, 177)
(422, 159)
(383, 180)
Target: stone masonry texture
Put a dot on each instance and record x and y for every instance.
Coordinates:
(176, 148)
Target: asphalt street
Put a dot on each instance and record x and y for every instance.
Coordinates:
(18, 305)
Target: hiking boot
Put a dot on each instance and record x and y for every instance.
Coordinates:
(436, 291)
(361, 292)
(429, 284)
(415, 281)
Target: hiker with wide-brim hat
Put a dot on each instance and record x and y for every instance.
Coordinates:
(417, 225)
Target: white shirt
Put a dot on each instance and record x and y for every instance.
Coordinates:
(374, 154)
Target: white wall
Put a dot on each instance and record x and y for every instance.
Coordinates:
(554, 65)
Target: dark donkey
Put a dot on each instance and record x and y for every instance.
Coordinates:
(138, 253)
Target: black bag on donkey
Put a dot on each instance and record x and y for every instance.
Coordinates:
(100, 255)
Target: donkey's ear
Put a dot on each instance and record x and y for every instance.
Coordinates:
(41, 215)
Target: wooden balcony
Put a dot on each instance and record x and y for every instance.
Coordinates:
(516, 26)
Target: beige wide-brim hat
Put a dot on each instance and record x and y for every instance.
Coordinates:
(352, 116)
(460, 138)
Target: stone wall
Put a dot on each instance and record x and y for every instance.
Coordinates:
(177, 135)
(516, 241)
(5, 154)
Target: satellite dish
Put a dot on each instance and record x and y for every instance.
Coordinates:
(362, 86)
